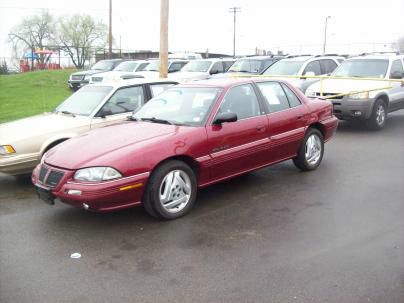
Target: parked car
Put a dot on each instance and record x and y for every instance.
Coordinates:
(152, 70)
(304, 66)
(202, 69)
(23, 142)
(190, 136)
(249, 66)
(370, 107)
(123, 71)
(82, 78)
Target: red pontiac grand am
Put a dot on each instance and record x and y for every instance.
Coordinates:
(190, 136)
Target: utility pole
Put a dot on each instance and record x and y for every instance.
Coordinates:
(164, 6)
(325, 33)
(234, 10)
(110, 30)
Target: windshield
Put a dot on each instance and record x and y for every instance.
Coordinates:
(153, 66)
(364, 68)
(197, 66)
(103, 65)
(246, 66)
(127, 66)
(180, 105)
(284, 67)
(85, 100)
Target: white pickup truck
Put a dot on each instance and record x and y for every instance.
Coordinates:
(363, 100)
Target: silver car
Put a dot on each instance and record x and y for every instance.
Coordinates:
(23, 142)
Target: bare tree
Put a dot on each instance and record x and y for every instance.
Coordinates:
(34, 32)
(79, 35)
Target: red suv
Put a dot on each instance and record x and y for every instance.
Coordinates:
(189, 136)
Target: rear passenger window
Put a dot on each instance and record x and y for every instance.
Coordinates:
(293, 100)
(274, 96)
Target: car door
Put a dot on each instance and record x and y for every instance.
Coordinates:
(119, 106)
(396, 93)
(238, 146)
(287, 118)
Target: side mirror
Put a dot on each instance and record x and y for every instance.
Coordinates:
(213, 71)
(225, 117)
(310, 74)
(396, 75)
(104, 112)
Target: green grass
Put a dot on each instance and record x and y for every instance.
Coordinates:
(27, 94)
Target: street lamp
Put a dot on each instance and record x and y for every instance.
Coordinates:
(325, 33)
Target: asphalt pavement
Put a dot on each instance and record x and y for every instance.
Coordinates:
(276, 235)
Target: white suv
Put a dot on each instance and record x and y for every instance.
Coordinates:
(304, 66)
(370, 104)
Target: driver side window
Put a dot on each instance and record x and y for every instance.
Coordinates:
(124, 100)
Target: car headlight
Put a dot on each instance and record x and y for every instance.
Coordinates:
(95, 174)
(310, 93)
(6, 150)
(363, 95)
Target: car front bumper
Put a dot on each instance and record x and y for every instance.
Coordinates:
(353, 109)
(75, 84)
(19, 164)
(95, 196)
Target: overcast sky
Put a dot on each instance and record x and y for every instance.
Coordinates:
(293, 25)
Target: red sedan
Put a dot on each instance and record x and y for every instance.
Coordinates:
(190, 136)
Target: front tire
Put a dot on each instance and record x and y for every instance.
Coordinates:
(311, 151)
(171, 190)
(378, 117)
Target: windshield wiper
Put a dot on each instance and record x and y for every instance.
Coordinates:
(131, 118)
(155, 120)
(67, 113)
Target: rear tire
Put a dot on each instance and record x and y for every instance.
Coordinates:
(378, 117)
(171, 190)
(310, 151)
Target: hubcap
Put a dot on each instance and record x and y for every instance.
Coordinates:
(175, 191)
(313, 149)
(380, 115)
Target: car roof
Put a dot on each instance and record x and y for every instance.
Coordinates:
(225, 82)
(134, 81)
(378, 56)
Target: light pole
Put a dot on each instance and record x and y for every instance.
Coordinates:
(325, 33)
(234, 10)
(110, 31)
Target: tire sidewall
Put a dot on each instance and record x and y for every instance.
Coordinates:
(311, 132)
(158, 177)
(373, 123)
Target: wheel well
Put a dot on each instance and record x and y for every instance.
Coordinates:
(318, 126)
(385, 100)
(186, 159)
(53, 144)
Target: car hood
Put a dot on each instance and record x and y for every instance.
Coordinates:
(180, 76)
(103, 146)
(344, 86)
(146, 74)
(39, 125)
(112, 75)
(88, 72)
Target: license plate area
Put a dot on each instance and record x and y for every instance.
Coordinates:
(45, 195)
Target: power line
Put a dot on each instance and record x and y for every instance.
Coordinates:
(47, 8)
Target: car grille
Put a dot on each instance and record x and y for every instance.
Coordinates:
(96, 79)
(329, 95)
(42, 173)
(52, 176)
(77, 77)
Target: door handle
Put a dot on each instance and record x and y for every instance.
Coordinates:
(261, 128)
